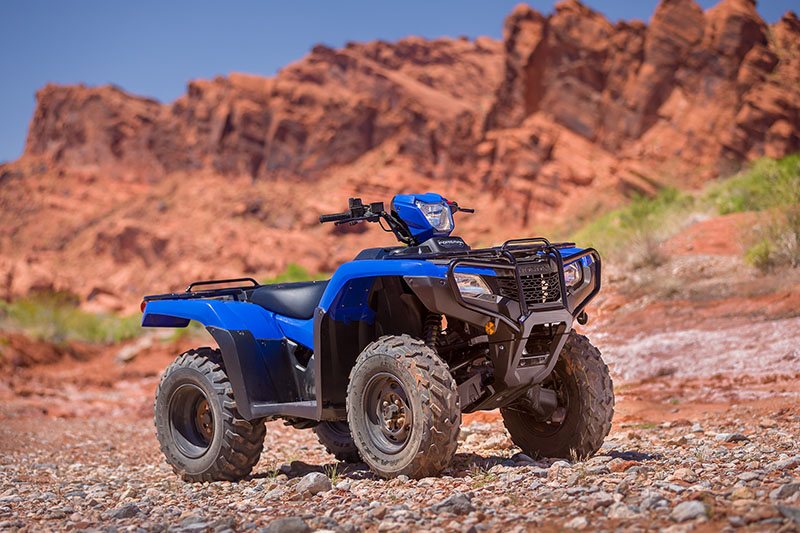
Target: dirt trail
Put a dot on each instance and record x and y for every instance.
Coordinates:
(704, 447)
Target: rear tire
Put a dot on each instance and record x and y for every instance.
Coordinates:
(403, 408)
(199, 429)
(585, 407)
(338, 441)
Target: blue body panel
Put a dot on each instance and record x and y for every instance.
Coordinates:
(345, 300)
(221, 314)
(405, 205)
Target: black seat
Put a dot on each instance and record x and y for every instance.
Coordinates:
(295, 300)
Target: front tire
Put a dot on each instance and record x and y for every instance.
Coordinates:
(403, 408)
(338, 441)
(199, 429)
(585, 407)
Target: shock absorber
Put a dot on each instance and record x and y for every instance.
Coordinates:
(433, 326)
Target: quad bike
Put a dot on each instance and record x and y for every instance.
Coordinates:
(382, 359)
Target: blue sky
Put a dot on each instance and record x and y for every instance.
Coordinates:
(153, 48)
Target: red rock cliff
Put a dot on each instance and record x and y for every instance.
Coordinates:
(118, 194)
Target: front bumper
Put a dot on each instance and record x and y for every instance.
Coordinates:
(529, 334)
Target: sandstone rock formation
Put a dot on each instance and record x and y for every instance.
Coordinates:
(117, 194)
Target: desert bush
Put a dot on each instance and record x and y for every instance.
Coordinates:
(293, 272)
(634, 233)
(56, 317)
(768, 184)
(778, 243)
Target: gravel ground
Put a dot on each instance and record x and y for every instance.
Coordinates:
(706, 467)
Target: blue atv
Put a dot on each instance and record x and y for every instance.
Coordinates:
(382, 359)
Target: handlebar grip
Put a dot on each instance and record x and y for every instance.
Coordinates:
(333, 217)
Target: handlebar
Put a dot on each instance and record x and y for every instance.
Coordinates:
(357, 212)
(334, 217)
(456, 208)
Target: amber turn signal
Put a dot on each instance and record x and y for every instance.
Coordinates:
(490, 327)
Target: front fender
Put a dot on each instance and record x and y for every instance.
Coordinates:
(227, 315)
(367, 269)
(373, 269)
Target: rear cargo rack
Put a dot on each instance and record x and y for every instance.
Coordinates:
(253, 283)
(237, 292)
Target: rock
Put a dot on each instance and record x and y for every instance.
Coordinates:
(292, 524)
(620, 511)
(129, 510)
(688, 510)
(602, 499)
(652, 500)
(749, 476)
(767, 423)
(579, 522)
(784, 464)
(785, 491)
(458, 503)
(736, 437)
(742, 493)
(274, 494)
(598, 470)
(792, 513)
(538, 472)
(684, 474)
(313, 483)
(128, 352)
(378, 512)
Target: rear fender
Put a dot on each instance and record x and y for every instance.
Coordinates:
(220, 314)
(258, 360)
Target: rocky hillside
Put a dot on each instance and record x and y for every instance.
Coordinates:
(117, 195)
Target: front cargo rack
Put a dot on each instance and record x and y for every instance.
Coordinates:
(512, 256)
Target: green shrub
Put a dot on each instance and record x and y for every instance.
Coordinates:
(638, 228)
(760, 255)
(293, 272)
(768, 184)
(635, 231)
(56, 317)
(778, 243)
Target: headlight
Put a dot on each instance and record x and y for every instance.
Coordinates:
(573, 274)
(471, 285)
(438, 215)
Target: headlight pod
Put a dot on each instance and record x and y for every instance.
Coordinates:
(573, 274)
(438, 215)
(471, 285)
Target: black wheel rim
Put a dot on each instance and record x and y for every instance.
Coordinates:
(191, 420)
(389, 415)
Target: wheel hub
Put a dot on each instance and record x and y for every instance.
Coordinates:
(191, 420)
(394, 412)
(389, 416)
(203, 419)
